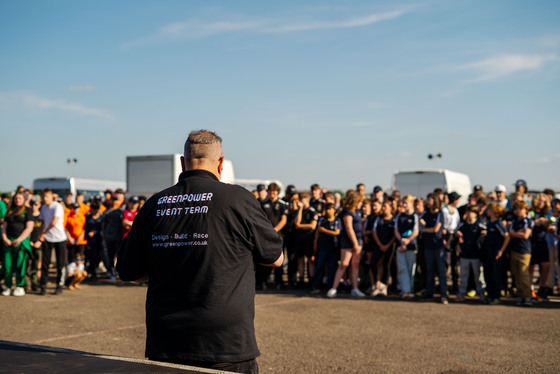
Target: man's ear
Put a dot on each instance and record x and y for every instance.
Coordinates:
(221, 166)
(183, 166)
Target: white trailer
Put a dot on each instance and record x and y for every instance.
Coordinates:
(88, 187)
(420, 183)
(147, 175)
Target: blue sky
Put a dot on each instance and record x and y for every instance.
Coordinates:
(328, 92)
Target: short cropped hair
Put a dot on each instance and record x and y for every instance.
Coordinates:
(473, 209)
(521, 205)
(203, 144)
(304, 195)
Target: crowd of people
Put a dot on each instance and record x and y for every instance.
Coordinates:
(84, 235)
(374, 244)
(366, 244)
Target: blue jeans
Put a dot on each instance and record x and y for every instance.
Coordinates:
(329, 258)
(406, 263)
(435, 257)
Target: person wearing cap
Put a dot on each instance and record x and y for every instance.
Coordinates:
(378, 194)
(119, 196)
(129, 214)
(276, 211)
(500, 191)
(451, 220)
(521, 187)
(75, 223)
(261, 192)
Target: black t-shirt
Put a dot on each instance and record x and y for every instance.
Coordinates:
(522, 246)
(494, 239)
(432, 240)
(37, 229)
(385, 229)
(307, 216)
(328, 242)
(113, 224)
(470, 248)
(368, 226)
(405, 225)
(17, 222)
(318, 205)
(198, 242)
(538, 235)
(275, 210)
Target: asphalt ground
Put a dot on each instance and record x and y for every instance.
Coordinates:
(302, 334)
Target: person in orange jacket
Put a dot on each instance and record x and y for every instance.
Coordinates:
(75, 223)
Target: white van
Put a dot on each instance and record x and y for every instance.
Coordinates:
(420, 183)
(88, 187)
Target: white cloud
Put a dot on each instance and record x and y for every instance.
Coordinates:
(354, 22)
(80, 88)
(500, 66)
(194, 28)
(32, 101)
(547, 160)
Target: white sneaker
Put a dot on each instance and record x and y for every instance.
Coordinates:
(357, 293)
(19, 291)
(331, 293)
(7, 292)
(375, 292)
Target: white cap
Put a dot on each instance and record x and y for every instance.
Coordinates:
(500, 188)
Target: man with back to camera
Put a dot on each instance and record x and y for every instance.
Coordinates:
(197, 243)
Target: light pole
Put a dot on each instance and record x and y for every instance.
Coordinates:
(72, 162)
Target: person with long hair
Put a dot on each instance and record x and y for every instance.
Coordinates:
(540, 215)
(16, 230)
(406, 233)
(384, 236)
(351, 242)
(431, 222)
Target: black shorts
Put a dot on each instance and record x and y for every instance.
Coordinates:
(304, 247)
(539, 253)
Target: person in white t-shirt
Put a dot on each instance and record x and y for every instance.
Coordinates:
(451, 220)
(54, 236)
(76, 273)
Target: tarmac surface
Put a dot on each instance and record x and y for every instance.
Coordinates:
(302, 334)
